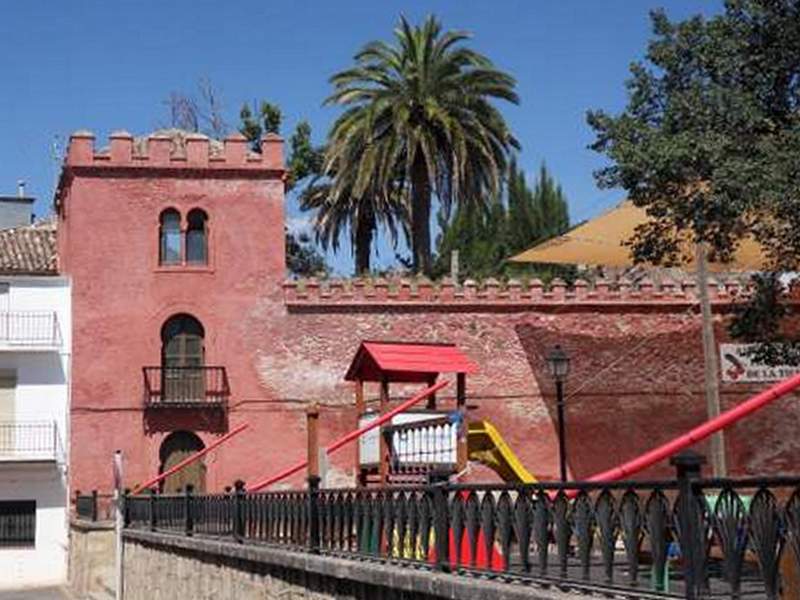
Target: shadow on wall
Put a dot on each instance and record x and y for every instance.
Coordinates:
(45, 485)
(624, 395)
(42, 368)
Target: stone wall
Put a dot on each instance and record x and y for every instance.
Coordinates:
(636, 379)
(165, 567)
(91, 559)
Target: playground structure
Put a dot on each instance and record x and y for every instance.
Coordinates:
(417, 443)
(422, 443)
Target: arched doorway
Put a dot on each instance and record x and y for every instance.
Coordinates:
(177, 446)
(182, 359)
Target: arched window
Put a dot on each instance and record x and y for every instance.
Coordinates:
(170, 238)
(196, 238)
(182, 359)
(176, 447)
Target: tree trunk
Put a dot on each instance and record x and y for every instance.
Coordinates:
(420, 217)
(363, 242)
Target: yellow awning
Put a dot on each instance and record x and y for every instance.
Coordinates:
(600, 241)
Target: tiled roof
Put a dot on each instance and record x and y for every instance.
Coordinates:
(29, 250)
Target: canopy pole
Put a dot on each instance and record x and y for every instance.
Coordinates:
(710, 362)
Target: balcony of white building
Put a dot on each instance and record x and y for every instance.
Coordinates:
(30, 331)
(30, 442)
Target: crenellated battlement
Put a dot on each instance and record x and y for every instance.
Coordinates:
(175, 149)
(422, 292)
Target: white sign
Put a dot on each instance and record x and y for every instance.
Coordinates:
(738, 367)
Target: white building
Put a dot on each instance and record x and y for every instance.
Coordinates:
(34, 401)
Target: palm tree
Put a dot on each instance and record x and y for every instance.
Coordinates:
(419, 121)
(338, 209)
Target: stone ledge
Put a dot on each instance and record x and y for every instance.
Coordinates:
(84, 525)
(407, 579)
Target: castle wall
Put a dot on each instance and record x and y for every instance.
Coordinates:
(636, 375)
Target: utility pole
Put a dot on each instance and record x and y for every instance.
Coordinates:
(710, 361)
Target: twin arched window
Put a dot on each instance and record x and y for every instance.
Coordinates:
(175, 248)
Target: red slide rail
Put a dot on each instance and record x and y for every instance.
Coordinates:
(353, 435)
(699, 433)
(190, 459)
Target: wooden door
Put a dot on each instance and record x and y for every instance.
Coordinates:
(183, 357)
(175, 448)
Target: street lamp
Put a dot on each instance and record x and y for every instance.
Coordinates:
(558, 363)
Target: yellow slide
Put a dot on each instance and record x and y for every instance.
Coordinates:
(487, 446)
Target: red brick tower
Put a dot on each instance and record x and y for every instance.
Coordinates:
(170, 242)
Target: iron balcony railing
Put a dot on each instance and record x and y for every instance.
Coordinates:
(172, 387)
(685, 538)
(29, 329)
(28, 440)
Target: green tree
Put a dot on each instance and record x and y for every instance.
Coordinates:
(302, 258)
(479, 234)
(709, 140)
(418, 122)
(341, 211)
(255, 124)
(485, 238)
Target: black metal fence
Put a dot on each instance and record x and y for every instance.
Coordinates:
(29, 328)
(94, 506)
(185, 386)
(23, 440)
(686, 538)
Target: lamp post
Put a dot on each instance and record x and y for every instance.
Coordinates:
(558, 363)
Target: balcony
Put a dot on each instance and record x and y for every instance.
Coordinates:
(186, 387)
(29, 330)
(29, 441)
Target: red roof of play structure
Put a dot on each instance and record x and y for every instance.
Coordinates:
(404, 362)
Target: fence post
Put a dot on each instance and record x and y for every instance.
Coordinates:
(152, 503)
(238, 512)
(187, 510)
(687, 466)
(94, 505)
(462, 450)
(126, 507)
(441, 526)
(312, 424)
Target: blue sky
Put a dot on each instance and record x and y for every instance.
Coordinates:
(105, 65)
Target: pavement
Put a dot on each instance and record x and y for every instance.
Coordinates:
(35, 594)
